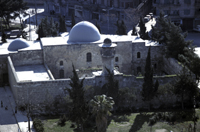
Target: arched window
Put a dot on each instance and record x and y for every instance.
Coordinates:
(61, 63)
(88, 57)
(138, 54)
(139, 70)
(61, 73)
(116, 59)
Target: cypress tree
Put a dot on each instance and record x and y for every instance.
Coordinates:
(62, 26)
(3, 39)
(97, 25)
(142, 32)
(79, 112)
(73, 20)
(149, 89)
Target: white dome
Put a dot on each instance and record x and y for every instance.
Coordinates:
(84, 32)
(17, 44)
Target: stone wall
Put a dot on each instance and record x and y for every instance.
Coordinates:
(28, 57)
(142, 49)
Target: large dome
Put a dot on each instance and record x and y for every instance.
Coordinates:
(17, 44)
(84, 32)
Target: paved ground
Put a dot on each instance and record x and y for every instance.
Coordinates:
(10, 121)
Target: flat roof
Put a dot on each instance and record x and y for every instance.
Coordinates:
(32, 72)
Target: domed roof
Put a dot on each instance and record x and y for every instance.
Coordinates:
(84, 32)
(17, 44)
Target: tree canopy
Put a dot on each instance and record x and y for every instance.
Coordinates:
(121, 28)
(10, 9)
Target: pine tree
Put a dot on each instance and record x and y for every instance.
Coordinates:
(79, 112)
(185, 86)
(149, 89)
(171, 36)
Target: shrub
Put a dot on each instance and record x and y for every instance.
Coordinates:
(152, 120)
(62, 120)
(38, 125)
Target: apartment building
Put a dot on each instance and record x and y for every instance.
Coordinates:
(183, 12)
(94, 9)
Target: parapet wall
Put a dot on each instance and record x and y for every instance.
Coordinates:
(39, 92)
(27, 57)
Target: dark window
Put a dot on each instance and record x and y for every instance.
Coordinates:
(61, 73)
(138, 54)
(116, 59)
(61, 63)
(187, 1)
(155, 66)
(139, 70)
(89, 57)
(186, 12)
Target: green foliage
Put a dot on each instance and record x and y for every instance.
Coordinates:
(126, 96)
(79, 111)
(101, 107)
(149, 89)
(111, 88)
(47, 28)
(185, 86)
(38, 125)
(10, 9)
(62, 120)
(121, 28)
(143, 34)
(171, 36)
(3, 38)
(62, 26)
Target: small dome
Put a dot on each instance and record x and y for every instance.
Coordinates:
(17, 44)
(84, 32)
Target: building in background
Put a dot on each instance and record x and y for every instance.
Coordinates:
(185, 13)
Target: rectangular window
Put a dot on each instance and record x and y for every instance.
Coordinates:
(187, 12)
(122, 4)
(187, 1)
(166, 2)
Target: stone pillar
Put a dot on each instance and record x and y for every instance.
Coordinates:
(107, 53)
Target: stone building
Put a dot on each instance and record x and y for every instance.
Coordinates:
(40, 70)
(96, 9)
(183, 12)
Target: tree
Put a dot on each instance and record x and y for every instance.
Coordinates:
(10, 9)
(101, 106)
(111, 88)
(171, 36)
(62, 26)
(143, 34)
(149, 89)
(121, 28)
(185, 86)
(79, 112)
(132, 16)
(3, 39)
(134, 31)
(97, 25)
(47, 28)
(73, 20)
